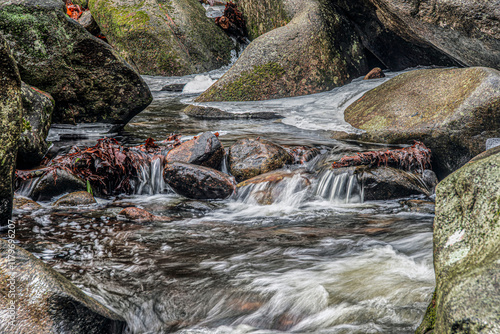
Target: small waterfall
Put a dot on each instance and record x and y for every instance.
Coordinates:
(150, 180)
(27, 186)
(224, 166)
(340, 188)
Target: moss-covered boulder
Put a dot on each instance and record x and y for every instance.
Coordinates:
(163, 37)
(43, 301)
(452, 111)
(37, 116)
(10, 127)
(262, 16)
(467, 249)
(316, 51)
(88, 80)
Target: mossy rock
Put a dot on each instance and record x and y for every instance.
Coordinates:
(452, 111)
(88, 80)
(262, 16)
(163, 37)
(316, 51)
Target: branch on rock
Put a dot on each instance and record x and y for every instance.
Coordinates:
(232, 21)
(413, 158)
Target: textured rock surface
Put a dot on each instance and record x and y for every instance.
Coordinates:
(251, 157)
(467, 249)
(55, 183)
(10, 126)
(24, 203)
(45, 301)
(198, 182)
(88, 80)
(163, 37)
(263, 16)
(76, 198)
(214, 113)
(37, 116)
(452, 111)
(316, 51)
(141, 215)
(206, 150)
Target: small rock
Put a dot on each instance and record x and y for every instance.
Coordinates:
(302, 154)
(418, 205)
(55, 183)
(24, 203)
(252, 157)
(173, 88)
(88, 22)
(375, 73)
(76, 198)
(198, 182)
(205, 150)
(141, 215)
(214, 113)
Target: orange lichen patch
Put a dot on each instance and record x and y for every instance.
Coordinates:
(73, 11)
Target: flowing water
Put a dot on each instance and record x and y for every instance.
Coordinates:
(304, 255)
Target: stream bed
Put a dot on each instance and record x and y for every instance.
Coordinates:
(309, 262)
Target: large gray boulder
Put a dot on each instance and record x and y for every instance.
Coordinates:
(163, 38)
(44, 301)
(10, 125)
(88, 80)
(452, 111)
(467, 250)
(316, 51)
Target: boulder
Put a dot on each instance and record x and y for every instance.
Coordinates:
(198, 182)
(11, 112)
(88, 80)
(76, 198)
(452, 111)
(205, 150)
(466, 250)
(263, 16)
(44, 302)
(467, 31)
(37, 115)
(214, 113)
(251, 157)
(141, 215)
(55, 183)
(163, 38)
(316, 51)
(24, 203)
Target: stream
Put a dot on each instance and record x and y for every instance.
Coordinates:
(317, 259)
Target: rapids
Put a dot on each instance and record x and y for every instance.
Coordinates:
(316, 259)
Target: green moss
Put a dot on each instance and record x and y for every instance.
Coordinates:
(429, 320)
(26, 126)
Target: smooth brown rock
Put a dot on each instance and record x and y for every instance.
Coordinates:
(141, 215)
(375, 73)
(205, 150)
(24, 203)
(76, 198)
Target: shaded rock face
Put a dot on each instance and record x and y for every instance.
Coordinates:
(198, 182)
(37, 115)
(206, 150)
(316, 51)
(163, 37)
(10, 127)
(251, 157)
(76, 198)
(467, 31)
(466, 249)
(452, 111)
(45, 301)
(88, 80)
(88, 22)
(55, 183)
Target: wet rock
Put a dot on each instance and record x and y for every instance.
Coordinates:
(452, 111)
(198, 182)
(141, 215)
(55, 183)
(11, 111)
(76, 198)
(214, 113)
(88, 22)
(88, 80)
(163, 39)
(251, 157)
(384, 183)
(486, 154)
(205, 150)
(302, 154)
(316, 51)
(375, 73)
(173, 88)
(24, 203)
(45, 301)
(420, 206)
(37, 116)
(492, 142)
(466, 256)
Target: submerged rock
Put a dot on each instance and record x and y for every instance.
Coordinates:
(173, 88)
(214, 113)
(205, 150)
(452, 111)
(55, 183)
(45, 301)
(198, 182)
(37, 116)
(466, 256)
(141, 215)
(163, 38)
(316, 51)
(11, 112)
(251, 157)
(88, 80)
(76, 198)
